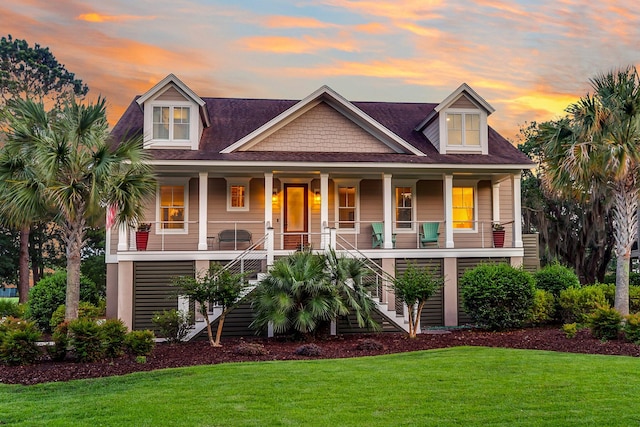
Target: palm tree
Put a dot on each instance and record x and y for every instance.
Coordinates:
(75, 171)
(596, 146)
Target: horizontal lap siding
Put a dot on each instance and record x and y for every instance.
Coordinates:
(433, 311)
(371, 203)
(465, 264)
(152, 290)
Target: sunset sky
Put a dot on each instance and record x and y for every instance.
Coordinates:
(529, 59)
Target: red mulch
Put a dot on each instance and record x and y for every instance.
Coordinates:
(200, 353)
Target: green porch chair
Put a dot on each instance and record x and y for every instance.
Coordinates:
(377, 236)
(429, 234)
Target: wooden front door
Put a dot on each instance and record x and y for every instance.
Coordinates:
(296, 221)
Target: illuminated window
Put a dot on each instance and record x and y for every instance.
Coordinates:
(463, 129)
(172, 207)
(346, 207)
(463, 208)
(171, 123)
(404, 208)
(238, 195)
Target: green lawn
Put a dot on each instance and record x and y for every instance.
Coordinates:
(459, 387)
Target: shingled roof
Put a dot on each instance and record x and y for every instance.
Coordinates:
(233, 118)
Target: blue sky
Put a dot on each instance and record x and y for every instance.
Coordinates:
(528, 59)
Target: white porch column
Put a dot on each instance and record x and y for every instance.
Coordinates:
(269, 246)
(387, 209)
(495, 198)
(125, 293)
(324, 208)
(122, 238)
(448, 210)
(517, 211)
(203, 202)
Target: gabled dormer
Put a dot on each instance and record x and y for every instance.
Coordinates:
(458, 125)
(174, 116)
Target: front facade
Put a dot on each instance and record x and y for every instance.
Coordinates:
(252, 180)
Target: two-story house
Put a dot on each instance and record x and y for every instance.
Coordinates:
(255, 179)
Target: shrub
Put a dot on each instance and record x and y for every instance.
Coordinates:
(634, 299)
(497, 296)
(18, 341)
(173, 324)
(576, 304)
(60, 339)
(555, 278)
(49, 293)
(85, 340)
(114, 333)
(250, 349)
(368, 344)
(634, 278)
(632, 328)
(9, 308)
(140, 343)
(311, 350)
(86, 310)
(605, 323)
(570, 329)
(543, 308)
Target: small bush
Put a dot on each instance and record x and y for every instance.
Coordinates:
(632, 328)
(140, 343)
(9, 308)
(173, 324)
(18, 340)
(634, 299)
(49, 293)
(369, 344)
(576, 304)
(570, 329)
(311, 350)
(114, 333)
(555, 278)
(497, 296)
(605, 323)
(60, 339)
(543, 308)
(85, 340)
(86, 310)
(250, 349)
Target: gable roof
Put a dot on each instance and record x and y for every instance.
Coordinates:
(339, 103)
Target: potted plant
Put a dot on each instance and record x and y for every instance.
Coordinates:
(142, 236)
(498, 235)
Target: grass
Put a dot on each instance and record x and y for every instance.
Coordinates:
(460, 386)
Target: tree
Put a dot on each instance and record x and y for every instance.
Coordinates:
(414, 287)
(596, 147)
(218, 286)
(73, 170)
(31, 73)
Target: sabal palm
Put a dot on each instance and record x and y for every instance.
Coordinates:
(597, 146)
(74, 171)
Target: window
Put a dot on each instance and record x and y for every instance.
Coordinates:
(238, 195)
(463, 201)
(463, 129)
(346, 207)
(404, 208)
(171, 123)
(172, 207)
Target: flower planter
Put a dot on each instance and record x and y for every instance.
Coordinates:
(498, 238)
(142, 238)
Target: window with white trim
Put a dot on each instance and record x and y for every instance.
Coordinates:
(404, 207)
(238, 194)
(463, 129)
(464, 207)
(172, 208)
(347, 205)
(171, 123)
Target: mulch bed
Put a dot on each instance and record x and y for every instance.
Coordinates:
(200, 353)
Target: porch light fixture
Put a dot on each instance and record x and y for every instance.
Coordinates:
(316, 197)
(274, 197)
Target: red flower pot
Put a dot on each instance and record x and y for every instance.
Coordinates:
(142, 238)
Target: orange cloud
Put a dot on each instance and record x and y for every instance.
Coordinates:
(372, 28)
(294, 22)
(96, 17)
(306, 44)
(412, 10)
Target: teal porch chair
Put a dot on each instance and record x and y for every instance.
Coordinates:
(429, 234)
(377, 235)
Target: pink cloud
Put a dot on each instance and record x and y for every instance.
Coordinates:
(97, 17)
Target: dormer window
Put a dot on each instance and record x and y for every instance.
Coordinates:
(463, 129)
(171, 123)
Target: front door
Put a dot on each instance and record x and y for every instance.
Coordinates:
(296, 222)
